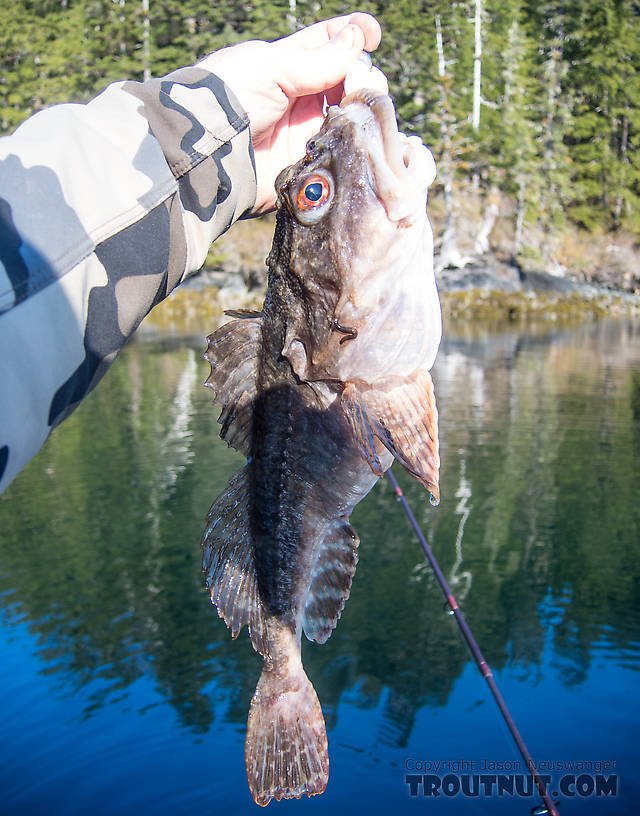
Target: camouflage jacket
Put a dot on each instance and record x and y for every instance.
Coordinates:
(104, 209)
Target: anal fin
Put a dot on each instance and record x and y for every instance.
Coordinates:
(331, 578)
(402, 414)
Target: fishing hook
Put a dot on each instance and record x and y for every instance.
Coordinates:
(350, 332)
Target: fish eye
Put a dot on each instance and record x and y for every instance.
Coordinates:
(314, 194)
(313, 191)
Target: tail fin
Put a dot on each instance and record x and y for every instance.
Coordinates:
(286, 747)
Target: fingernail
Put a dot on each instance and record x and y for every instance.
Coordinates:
(349, 37)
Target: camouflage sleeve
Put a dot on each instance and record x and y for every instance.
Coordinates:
(104, 208)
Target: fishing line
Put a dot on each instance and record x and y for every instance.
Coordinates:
(481, 663)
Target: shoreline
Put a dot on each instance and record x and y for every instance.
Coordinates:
(197, 306)
(583, 279)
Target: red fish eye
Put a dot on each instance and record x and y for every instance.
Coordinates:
(314, 193)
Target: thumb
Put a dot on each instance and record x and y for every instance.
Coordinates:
(348, 38)
(317, 69)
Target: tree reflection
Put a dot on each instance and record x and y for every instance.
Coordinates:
(538, 527)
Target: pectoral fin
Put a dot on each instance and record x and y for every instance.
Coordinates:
(402, 414)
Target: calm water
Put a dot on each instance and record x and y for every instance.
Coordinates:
(122, 692)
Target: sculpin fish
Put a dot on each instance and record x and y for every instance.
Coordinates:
(321, 390)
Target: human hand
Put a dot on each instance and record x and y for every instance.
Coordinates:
(282, 86)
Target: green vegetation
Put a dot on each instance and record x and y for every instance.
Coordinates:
(539, 102)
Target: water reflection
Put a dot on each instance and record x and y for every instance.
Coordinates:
(537, 530)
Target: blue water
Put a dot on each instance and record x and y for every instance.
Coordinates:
(122, 692)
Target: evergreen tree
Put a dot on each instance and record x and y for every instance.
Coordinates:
(604, 133)
(112, 47)
(41, 59)
(520, 152)
(549, 24)
(558, 121)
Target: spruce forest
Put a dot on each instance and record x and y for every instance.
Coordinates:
(539, 102)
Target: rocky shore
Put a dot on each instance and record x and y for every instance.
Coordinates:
(581, 276)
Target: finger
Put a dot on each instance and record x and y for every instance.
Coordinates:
(334, 95)
(320, 33)
(307, 71)
(368, 24)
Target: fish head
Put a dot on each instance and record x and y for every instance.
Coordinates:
(358, 259)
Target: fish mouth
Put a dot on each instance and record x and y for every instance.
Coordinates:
(402, 166)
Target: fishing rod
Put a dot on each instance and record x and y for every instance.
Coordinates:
(481, 663)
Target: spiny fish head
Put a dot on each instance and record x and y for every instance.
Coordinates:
(359, 158)
(358, 254)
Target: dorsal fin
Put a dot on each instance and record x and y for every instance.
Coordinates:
(331, 578)
(228, 561)
(402, 414)
(233, 351)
